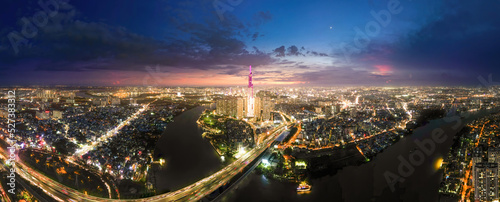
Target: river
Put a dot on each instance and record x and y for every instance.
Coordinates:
(365, 182)
(188, 156)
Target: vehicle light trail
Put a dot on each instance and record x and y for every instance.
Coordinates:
(195, 191)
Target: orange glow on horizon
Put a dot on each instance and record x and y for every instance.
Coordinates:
(382, 70)
(206, 79)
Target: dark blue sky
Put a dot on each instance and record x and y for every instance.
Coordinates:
(206, 42)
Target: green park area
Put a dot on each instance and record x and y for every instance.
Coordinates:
(210, 119)
(219, 130)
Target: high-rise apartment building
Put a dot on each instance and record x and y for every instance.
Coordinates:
(263, 107)
(251, 106)
(486, 181)
(231, 106)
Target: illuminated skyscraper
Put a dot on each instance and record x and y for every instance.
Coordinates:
(250, 99)
(263, 106)
(231, 106)
(486, 182)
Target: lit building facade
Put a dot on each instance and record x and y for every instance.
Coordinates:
(231, 106)
(477, 157)
(258, 107)
(47, 94)
(486, 182)
(263, 107)
(250, 96)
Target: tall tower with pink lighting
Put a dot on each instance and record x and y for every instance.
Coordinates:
(250, 99)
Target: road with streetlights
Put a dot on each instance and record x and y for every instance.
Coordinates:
(195, 191)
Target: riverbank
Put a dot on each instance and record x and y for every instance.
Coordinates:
(365, 182)
(188, 156)
(227, 135)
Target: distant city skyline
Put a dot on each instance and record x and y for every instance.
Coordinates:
(212, 43)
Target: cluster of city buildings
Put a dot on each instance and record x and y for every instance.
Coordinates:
(129, 154)
(471, 170)
(237, 107)
(485, 165)
(64, 119)
(257, 107)
(91, 125)
(342, 128)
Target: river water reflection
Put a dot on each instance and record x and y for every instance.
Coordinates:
(364, 182)
(188, 156)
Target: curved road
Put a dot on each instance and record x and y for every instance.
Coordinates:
(195, 191)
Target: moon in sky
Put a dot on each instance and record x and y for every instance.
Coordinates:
(331, 27)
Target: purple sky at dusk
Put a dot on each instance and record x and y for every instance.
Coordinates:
(212, 43)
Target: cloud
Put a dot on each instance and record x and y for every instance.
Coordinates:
(264, 72)
(71, 44)
(262, 17)
(285, 62)
(255, 36)
(314, 53)
(461, 40)
(293, 50)
(280, 51)
(338, 75)
(233, 70)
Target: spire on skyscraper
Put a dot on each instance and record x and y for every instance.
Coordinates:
(250, 99)
(250, 83)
